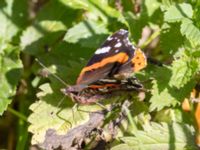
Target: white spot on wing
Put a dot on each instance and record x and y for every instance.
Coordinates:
(130, 44)
(103, 50)
(109, 38)
(116, 51)
(118, 45)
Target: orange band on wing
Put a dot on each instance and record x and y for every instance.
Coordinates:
(120, 57)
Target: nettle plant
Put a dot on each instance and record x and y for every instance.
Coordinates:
(64, 34)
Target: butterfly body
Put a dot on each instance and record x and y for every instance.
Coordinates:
(109, 71)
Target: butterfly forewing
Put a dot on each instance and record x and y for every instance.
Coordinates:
(115, 52)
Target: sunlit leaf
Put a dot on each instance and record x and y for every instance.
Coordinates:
(13, 17)
(48, 28)
(151, 6)
(191, 32)
(178, 12)
(183, 70)
(11, 69)
(165, 94)
(87, 33)
(160, 136)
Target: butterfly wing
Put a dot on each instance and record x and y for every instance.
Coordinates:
(114, 56)
(137, 62)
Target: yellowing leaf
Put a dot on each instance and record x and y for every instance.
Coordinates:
(47, 115)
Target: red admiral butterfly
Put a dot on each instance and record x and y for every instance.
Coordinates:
(109, 70)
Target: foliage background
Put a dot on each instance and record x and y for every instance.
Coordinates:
(63, 34)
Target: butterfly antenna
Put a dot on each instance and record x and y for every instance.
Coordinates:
(57, 77)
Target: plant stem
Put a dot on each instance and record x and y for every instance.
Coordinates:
(150, 39)
(16, 113)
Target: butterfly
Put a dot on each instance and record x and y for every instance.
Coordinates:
(109, 71)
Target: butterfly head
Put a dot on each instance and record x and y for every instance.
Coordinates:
(73, 89)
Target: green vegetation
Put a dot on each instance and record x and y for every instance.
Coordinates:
(63, 35)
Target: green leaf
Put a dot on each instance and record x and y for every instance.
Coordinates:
(174, 114)
(96, 9)
(121, 146)
(161, 96)
(13, 16)
(178, 12)
(165, 94)
(151, 6)
(87, 33)
(170, 40)
(11, 68)
(135, 24)
(165, 4)
(160, 136)
(161, 99)
(191, 32)
(47, 115)
(183, 70)
(106, 13)
(127, 5)
(196, 15)
(48, 27)
(150, 14)
(78, 4)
